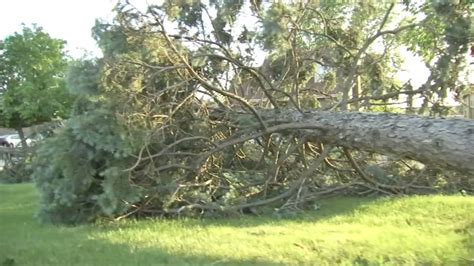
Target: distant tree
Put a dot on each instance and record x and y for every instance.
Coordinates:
(32, 84)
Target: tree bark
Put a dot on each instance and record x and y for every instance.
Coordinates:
(445, 142)
(24, 144)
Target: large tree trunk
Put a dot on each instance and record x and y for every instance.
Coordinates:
(448, 143)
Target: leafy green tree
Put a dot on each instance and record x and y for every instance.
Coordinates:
(32, 85)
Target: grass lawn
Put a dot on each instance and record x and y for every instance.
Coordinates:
(434, 230)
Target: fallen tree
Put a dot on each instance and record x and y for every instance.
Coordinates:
(169, 126)
(287, 162)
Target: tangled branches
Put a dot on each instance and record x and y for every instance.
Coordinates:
(185, 124)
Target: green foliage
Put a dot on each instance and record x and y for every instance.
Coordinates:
(111, 39)
(275, 27)
(76, 171)
(453, 19)
(365, 38)
(32, 79)
(83, 77)
(80, 172)
(186, 12)
(117, 190)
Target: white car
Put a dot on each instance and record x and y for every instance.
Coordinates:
(15, 140)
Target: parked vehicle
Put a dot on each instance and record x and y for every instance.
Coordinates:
(14, 140)
(4, 142)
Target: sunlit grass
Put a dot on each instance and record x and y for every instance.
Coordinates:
(434, 230)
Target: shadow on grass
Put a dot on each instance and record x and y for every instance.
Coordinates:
(56, 245)
(79, 249)
(327, 208)
(24, 241)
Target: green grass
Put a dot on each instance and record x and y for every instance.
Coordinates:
(434, 230)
